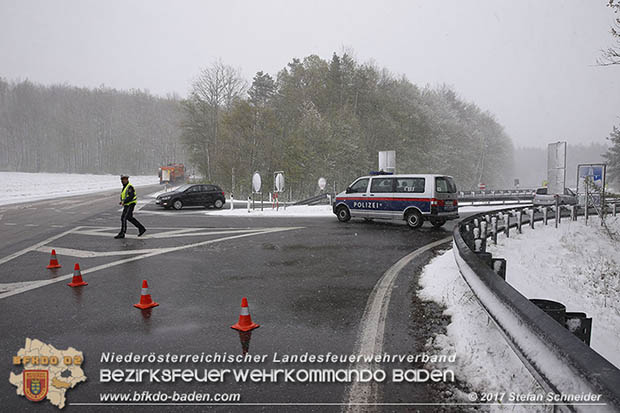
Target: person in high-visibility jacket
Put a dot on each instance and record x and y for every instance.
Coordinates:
(129, 199)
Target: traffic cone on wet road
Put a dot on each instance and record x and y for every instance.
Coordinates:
(53, 261)
(145, 298)
(77, 277)
(245, 320)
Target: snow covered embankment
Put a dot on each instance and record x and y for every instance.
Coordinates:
(483, 358)
(576, 265)
(26, 187)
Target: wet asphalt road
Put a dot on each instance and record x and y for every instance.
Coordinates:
(307, 281)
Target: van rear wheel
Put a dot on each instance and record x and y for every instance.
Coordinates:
(343, 214)
(414, 219)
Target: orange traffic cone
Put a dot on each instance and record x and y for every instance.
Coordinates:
(245, 320)
(145, 298)
(53, 261)
(77, 277)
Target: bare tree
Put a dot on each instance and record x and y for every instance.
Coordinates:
(611, 55)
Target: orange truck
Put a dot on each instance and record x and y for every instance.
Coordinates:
(171, 173)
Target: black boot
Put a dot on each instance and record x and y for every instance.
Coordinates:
(120, 235)
(141, 231)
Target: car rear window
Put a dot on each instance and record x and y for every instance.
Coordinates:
(445, 184)
(415, 185)
(541, 191)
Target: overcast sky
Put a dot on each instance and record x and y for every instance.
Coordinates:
(531, 63)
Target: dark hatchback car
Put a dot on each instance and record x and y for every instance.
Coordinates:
(193, 195)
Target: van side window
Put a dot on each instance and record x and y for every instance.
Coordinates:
(415, 185)
(359, 186)
(382, 185)
(444, 184)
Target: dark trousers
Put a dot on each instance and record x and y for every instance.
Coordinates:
(127, 215)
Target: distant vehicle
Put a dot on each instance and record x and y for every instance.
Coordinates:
(543, 198)
(192, 195)
(171, 173)
(414, 198)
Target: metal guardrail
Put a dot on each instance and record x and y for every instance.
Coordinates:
(559, 361)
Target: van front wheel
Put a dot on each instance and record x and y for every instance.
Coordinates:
(343, 214)
(414, 219)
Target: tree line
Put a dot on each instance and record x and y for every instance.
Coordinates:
(79, 130)
(314, 118)
(329, 118)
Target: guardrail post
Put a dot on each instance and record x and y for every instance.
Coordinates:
(494, 226)
(499, 266)
(573, 213)
(558, 215)
(545, 212)
(507, 226)
(531, 215)
(483, 230)
(580, 325)
(613, 209)
(519, 221)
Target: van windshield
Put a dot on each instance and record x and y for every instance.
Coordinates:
(445, 184)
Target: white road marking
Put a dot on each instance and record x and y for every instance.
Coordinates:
(10, 223)
(70, 252)
(13, 286)
(31, 225)
(35, 246)
(1, 215)
(166, 236)
(57, 226)
(372, 328)
(89, 202)
(43, 283)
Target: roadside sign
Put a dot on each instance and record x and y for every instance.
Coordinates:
(556, 167)
(482, 186)
(256, 182)
(322, 183)
(279, 181)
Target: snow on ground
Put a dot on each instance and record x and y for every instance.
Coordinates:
(483, 358)
(26, 187)
(576, 265)
(290, 211)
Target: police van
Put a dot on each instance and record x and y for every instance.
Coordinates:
(414, 198)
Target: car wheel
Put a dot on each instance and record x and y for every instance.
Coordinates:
(414, 219)
(177, 204)
(218, 203)
(438, 222)
(343, 214)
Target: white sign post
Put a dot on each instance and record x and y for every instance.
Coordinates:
(278, 183)
(256, 184)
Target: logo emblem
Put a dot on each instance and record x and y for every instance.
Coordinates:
(36, 384)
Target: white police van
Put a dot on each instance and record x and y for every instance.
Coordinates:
(414, 198)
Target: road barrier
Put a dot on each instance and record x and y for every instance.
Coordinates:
(557, 356)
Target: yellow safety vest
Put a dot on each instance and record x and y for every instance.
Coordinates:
(124, 194)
